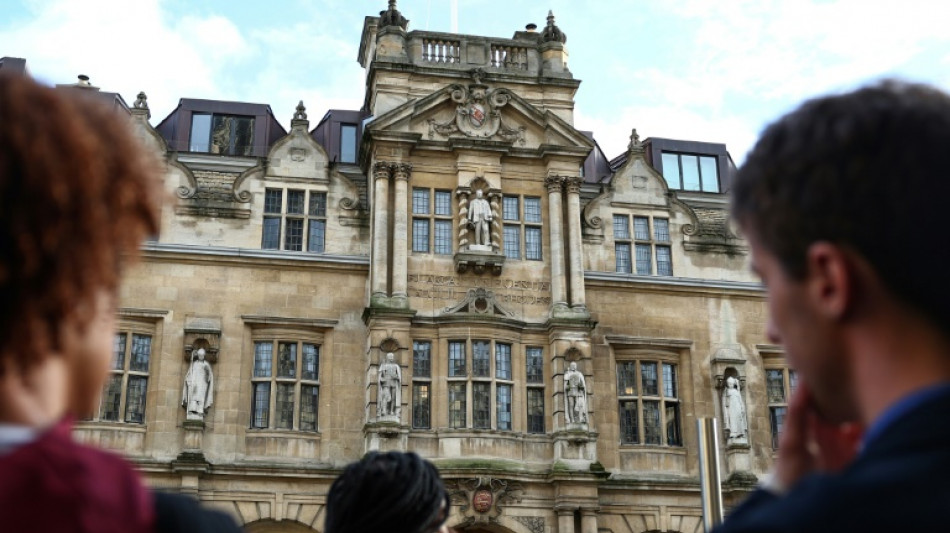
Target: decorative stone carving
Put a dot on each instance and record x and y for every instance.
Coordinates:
(141, 102)
(534, 523)
(551, 32)
(481, 302)
(575, 396)
(197, 395)
(478, 114)
(392, 17)
(301, 113)
(479, 218)
(734, 421)
(481, 500)
(635, 144)
(389, 399)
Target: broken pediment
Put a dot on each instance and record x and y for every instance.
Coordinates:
(479, 302)
(298, 154)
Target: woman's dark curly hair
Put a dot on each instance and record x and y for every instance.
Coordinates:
(78, 193)
(393, 491)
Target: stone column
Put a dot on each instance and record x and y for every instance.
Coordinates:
(588, 521)
(380, 288)
(401, 173)
(565, 521)
(556, 221)
(575, 246)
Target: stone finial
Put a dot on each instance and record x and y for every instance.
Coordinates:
(551, 32)
(301, 113)
(635, 144)
(392, 17)
(141, 101)
(478, 74)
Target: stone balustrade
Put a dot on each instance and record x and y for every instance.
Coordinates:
(521, 56)
(440, 50)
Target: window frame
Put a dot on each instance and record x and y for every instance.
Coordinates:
(433, 220)
(306, 218)
(276, 338)
(628, 244)
(639, 397)
(128, 330)
(520, 225)
(667, 173)
(789, 377)
(232, 148)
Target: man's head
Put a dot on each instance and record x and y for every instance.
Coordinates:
(200, 354)
(849, 186)
(77, 196)
(393, 491)
(390, 357)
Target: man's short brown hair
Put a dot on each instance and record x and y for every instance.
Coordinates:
(78, 193)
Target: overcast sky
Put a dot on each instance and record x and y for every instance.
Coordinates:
(715, 71)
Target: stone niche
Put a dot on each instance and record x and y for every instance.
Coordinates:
(202, 332)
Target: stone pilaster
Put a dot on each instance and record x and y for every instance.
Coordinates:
(401, 173)
(380, 286)
(556, 227)
(565, 520)
(588, 520)
(575, 246)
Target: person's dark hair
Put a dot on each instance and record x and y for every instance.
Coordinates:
(78, 193)
(867, 170)
(393, 491)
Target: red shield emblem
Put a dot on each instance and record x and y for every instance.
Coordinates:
(482, 500)
(477, 114)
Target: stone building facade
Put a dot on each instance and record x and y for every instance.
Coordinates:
(559, 321)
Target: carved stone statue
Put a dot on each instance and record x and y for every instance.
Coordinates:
(198, 393)
(733, 413)
(575, 396)
(389, 404)
(479, 217)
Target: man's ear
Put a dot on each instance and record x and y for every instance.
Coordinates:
(830, 279)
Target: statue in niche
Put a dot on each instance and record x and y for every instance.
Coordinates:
(733, 413)
(198, 393)
(479, 218)
(390, 389)
(575, 395)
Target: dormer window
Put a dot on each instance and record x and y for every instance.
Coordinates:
(348, 143)
(691, 172)
(222, 134)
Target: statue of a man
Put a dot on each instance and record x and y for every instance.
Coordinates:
(733, 412)
(575, 395)
(479, 217)
(390, 388)
(198, 393)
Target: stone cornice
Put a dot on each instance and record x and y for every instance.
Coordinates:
(153, 251)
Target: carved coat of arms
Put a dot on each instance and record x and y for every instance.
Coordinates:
(477, 114)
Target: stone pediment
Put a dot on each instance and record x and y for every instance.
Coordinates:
(479, 302)
(298, 154)
(479, 114)
(637, 183)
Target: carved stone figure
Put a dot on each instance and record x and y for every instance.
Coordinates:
(390, 389)
(479, 217)
(575, 396)
(197, 395)
(733, 412)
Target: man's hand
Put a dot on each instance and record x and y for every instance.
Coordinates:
(809, 443)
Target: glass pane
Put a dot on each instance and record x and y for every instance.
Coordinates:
(621, 227)
(664, 263)
(627, 378)
(503, 361)
(792, 381)
(260, 409)
(532, 243)
(661, 229)
(271, 234)
(420, 201)
(481, 359)
(671, 170)
(481, 405)
(644, 259)
(775, 385)
(118, 351)
(710, 173)
(293, 240)
(690, 172)
(318, 204)
(311, 362)
(457, 405)
(503, 405)
(420, 235)
(200, 132)
(641, 228)
(648, 375)
(535, 410)
(309, 400)
(651, 423)
(141, 349)
(347, 143)
(622, 252)
(421, 359)
(673, 437)
(457, 359)
(535, 365)
(263, 359)
(512, 242)
(443, 237)
(243, 136)
(777, 422)
(510, 208)
(111, 396)
(287, 360)
(532, 210)
(222, 134)
(443, 203)
(669, 380)
(629, 433)
(273, 201)
(285, 406)
(316, 240)
(135, 400)
(420, 406)
(295, 202)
